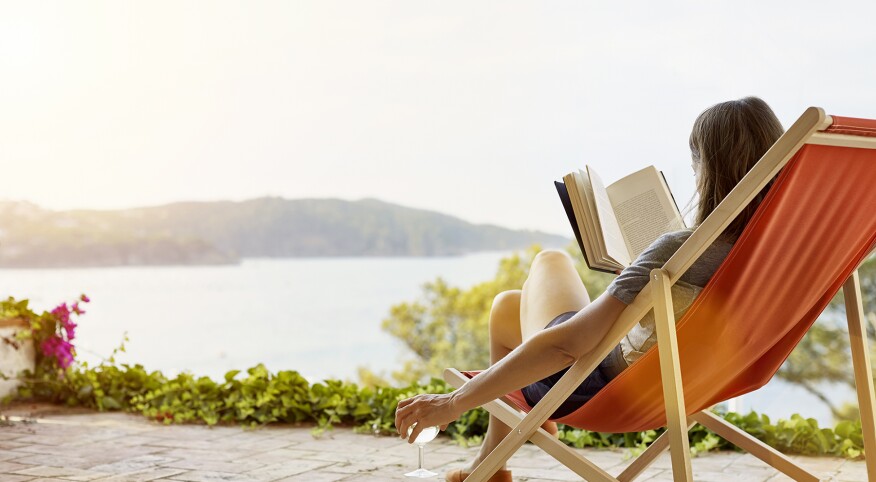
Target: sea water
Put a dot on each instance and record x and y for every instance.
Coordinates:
(319, 316)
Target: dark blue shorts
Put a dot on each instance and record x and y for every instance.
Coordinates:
(609, 368)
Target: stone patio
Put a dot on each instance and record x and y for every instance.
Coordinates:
(49, 443)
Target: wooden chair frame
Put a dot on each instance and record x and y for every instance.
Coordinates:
(657, 296)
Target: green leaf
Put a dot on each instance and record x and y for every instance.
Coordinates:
(111, 403)
(84, 391)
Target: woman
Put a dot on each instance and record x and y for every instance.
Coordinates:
(537, 332)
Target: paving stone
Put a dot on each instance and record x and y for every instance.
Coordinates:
(68, 473)
(749, 465)
(763, 473)
(712, 476)
(819, 464)
(209, 476)
(133, 464)
(711, 462)
(44, 439)
(54, 461)
(527, 473)
(439, 447)
(200, 454)
(182, 433)
(119, 447)
(545, 463)
(374, 459)
(41, 449)
(285, 469)
(662, 476)
(853, 471)
(254, 445)
(144, 475)
(747, 459)
(185, 444)
(315, 477)
(276, 456)
(780, 478)
(652, 474)
(214, 465)
(609, 460)
(8, 435)
(298, 435)
(119, 453)
(134, 440)
(9, 454)
(12, 445)
(240, 434)
(12, 466)
(22, 478)
(354, 468)
(381, 443)
(663, 461)
(341, 446)
(376, 478)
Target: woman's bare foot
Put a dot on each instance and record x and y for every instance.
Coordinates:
(551, 428)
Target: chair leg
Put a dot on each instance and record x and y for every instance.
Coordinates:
(755, 447)
(670, 372)
(863, 372)
(646, 458)
(547, 442)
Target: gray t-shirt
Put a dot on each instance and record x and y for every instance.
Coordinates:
(635, 277)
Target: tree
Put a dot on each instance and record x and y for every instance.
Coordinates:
(448, 326)
(823, 354)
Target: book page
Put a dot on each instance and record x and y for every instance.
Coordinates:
(576, 193)
(585, 195)
(644, 208)
(615, 246)
(574, 190)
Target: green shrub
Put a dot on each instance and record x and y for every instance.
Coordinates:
(262, 397)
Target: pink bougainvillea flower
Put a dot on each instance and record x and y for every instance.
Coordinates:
(58, 345)
(62, 312)
(70, 328)
(64, 354)
(59, 349)
(47, 347)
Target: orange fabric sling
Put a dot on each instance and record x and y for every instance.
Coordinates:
(814, 228)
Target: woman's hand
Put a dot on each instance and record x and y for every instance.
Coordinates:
(425, 411)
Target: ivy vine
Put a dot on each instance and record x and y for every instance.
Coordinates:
(260, 397)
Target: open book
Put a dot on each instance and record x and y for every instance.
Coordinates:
(614, 224)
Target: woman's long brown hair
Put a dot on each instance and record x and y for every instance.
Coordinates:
(726, 141)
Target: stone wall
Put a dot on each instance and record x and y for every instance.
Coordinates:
(12, 360)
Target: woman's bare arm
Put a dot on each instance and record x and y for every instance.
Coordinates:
(544, 354)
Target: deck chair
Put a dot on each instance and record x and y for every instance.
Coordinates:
(815, 226)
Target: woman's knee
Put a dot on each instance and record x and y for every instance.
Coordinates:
(553, 286)
(552, 256)
(505, 310)
(550, 260)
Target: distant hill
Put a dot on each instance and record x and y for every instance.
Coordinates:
(224, 232)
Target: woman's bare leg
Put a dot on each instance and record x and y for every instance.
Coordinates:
(504, 337)
(553, 287)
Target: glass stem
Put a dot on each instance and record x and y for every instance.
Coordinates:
(421, 455)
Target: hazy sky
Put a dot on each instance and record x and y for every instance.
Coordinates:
(469, 108)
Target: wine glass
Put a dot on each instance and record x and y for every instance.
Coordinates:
(426, 436)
